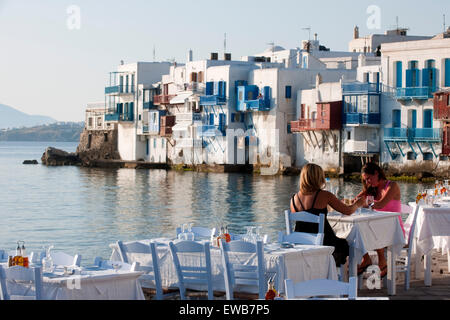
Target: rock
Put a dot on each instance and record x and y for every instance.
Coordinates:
(30, 162)
(57, 157)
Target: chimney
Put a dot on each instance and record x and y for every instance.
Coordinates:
(315, 36)
(190, 56)
(227, 57)
(356, 33)
(214, 56)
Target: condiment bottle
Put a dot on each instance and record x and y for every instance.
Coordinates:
(227, 235)
(271, 292)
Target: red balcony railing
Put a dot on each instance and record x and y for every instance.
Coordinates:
(163, 99)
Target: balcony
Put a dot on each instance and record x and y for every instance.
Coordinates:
(360, 88)
(213, 100)
(412, 134)
(258, 104)
(163, 99)
(356, 119)
(210, 131)
(119, 117)
(145, 129)
(120, 89)
(188, 117)
(353, 146)
(421, 93)
(149, 105)
(302, 125)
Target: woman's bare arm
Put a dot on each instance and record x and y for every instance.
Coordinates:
(341, 207)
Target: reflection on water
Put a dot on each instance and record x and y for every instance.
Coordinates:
(83, 210)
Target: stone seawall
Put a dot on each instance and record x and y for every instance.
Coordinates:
(97, 145)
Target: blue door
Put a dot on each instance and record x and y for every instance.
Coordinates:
(428, 118)
(211, 119)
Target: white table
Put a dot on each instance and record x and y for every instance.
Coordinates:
(367, 231)
(432, 232)
(90, 284)
(301, 263)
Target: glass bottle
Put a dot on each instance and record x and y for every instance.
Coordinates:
(227, 235)
(190, 236)
(271, 292)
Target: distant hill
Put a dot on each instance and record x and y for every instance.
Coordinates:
(57, 132)
(12, 118)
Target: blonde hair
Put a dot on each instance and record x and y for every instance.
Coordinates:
(312, 178)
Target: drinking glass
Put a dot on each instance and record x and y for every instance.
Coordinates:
(182, 234)
(247, 236)
(190, 235)
(258, 236)
(47, 261)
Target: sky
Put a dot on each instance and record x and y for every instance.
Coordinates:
(56, 55)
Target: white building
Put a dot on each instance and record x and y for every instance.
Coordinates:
(414, 70)
(122, 99)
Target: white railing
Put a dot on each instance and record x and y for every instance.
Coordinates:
(361, 146)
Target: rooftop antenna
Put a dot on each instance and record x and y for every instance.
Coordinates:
(225, 43)
(444, 24)
(154, 53)
(272, 44)
(309, 32)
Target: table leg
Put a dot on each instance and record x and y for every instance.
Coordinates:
(352, 263)
(391, 275)
(427, 272)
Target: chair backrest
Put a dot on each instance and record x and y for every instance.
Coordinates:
(20, 275)
(304, 217)
(3, 255)
(301, 238)
(147, 257)
(200, 232)
(63, 259)
(192, 274)
(320, 288)
(237, 272)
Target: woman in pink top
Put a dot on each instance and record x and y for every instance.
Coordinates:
(386, 198)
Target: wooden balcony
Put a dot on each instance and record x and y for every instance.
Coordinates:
(163, 99)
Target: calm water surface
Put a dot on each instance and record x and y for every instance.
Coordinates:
(83, 210)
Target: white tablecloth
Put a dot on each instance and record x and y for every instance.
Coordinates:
(368, 231)
(299, 264)
(432, 227)
(89, 285)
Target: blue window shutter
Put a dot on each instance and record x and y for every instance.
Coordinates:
(447, 72)
(224, 89)
(414, 119)
(399, 72)
(267, 93)
(209, 88)
(211, 119)
(425, 77)
(409, 78)
(233, 117)
(147, 148)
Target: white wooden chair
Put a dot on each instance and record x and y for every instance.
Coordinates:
(403, 263)
(200, 232)
(192, 274)
(302, 237)
(321, 288)
(63, 259)
(241, 273)
(19, 275)
(147, 257)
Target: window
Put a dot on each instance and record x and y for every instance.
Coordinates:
(427, 156)
(447, 72)
(90, 122)
(288, 92)
(105, 136)
(411, 156)
(349, 135)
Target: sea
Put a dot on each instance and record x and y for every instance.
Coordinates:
(83, 210)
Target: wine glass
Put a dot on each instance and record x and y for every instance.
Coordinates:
(182, 234)
(116, 266)
(47, 261)
(369, 201)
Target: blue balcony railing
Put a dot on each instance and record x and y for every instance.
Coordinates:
(119, 117)
(423, 93)
(361, 118)
(211, 130)
(119, 89)
(412, 134)
(258, 104)
(149, 105)
(212, 100)
(360, 87)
